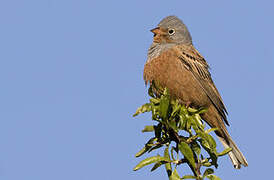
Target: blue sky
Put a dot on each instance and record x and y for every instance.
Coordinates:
(71, 78)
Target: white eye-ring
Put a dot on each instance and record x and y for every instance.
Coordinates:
(171, 31)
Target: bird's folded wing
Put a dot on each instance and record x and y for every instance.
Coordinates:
(194, 62)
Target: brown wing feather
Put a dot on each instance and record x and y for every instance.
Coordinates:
(200, 70)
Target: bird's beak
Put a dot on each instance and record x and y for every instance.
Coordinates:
(157, 30)
(159, 35)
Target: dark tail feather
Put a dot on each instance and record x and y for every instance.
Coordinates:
(236, 156)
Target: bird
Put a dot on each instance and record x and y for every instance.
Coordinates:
(174, 63)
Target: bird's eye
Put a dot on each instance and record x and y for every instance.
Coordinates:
(171, 31)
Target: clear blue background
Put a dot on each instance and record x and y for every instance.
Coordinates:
(71, 78)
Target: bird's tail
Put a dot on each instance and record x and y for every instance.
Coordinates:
(236, 156)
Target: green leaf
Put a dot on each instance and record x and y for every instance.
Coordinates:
(188, 123)
(173, 125)
(210, 130)
(196, 147)
(156, 165)
(198, 122)
(154, 100)
(196, 111)
(155, 112)
(148, 145)
(164, 105)
(207, 164)
(142, 151)
(148, 129)
(167, 165)
(224, 152)
(144, 108)
(202, 110)
(150, 160)
(192, 110)
(213, 154)
(182, 122)
(188, 177)
(183, 111)
(155, 147)
(176, 108)
(174, 175)
(204, 143)
(208, 171)
(187, 152)
(213, 177)
(211, 143)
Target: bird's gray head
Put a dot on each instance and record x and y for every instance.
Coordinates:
(171, 30)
